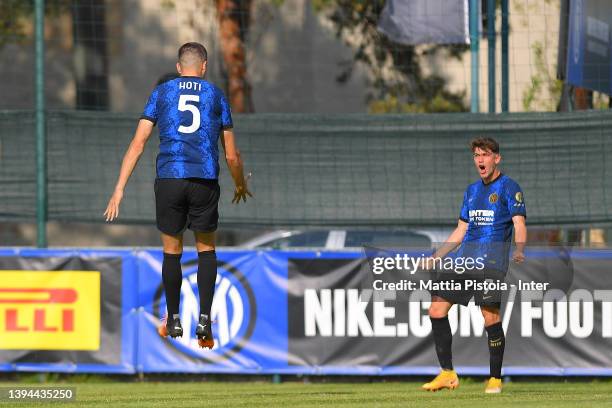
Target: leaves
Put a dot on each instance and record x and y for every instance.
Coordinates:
(17, 15)
(544, 92)
(396, 81)
(13, 15)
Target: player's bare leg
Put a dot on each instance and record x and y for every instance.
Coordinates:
(172, 278)
(207, 275)
(497, 343)
(438, 313)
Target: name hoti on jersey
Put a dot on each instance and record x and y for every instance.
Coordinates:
(190, 85)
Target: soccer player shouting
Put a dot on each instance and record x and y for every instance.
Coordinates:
(191, 114)
(491, 208)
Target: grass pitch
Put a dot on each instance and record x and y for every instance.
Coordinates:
(382, 394)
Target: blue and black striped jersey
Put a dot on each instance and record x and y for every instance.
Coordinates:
(190, 113)
(488, 209)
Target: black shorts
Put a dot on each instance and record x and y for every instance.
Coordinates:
(191, 203)
(482, 297)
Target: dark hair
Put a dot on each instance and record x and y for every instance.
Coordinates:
(193, 48)
(485, 143)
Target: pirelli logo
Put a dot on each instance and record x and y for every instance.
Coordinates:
(49, 310)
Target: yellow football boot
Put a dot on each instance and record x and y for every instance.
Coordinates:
(446, 379)
(494, 386)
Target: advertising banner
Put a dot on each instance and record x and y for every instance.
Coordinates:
(301, 312)
(589, 52)
(67, 311)
(249, 315)
(343, 321)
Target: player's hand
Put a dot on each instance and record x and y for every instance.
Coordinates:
(518, 256)
(112, 209)
(241, 193)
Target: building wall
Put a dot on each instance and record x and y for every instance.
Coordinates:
(292, 57)
(532, 22)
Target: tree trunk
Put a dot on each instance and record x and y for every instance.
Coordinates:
(583, 99)
(234, 18)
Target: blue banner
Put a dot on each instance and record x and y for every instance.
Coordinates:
(249, 322)
(589, 53)
(289, 312)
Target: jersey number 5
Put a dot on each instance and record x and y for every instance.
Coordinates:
(183, 106)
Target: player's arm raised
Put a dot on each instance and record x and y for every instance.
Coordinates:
(520, 238)
(134, 151)
(453, 240)
(234, 163)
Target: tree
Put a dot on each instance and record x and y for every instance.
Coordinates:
(16, 16)
(12, 24)
(234, 19)
(398, 83)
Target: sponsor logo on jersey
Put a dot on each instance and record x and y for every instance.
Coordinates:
(482, 217)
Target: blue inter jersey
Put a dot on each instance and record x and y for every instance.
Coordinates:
(190, 113)
(488, 209)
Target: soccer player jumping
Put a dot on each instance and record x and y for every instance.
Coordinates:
(191, 114)
(491, 208)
